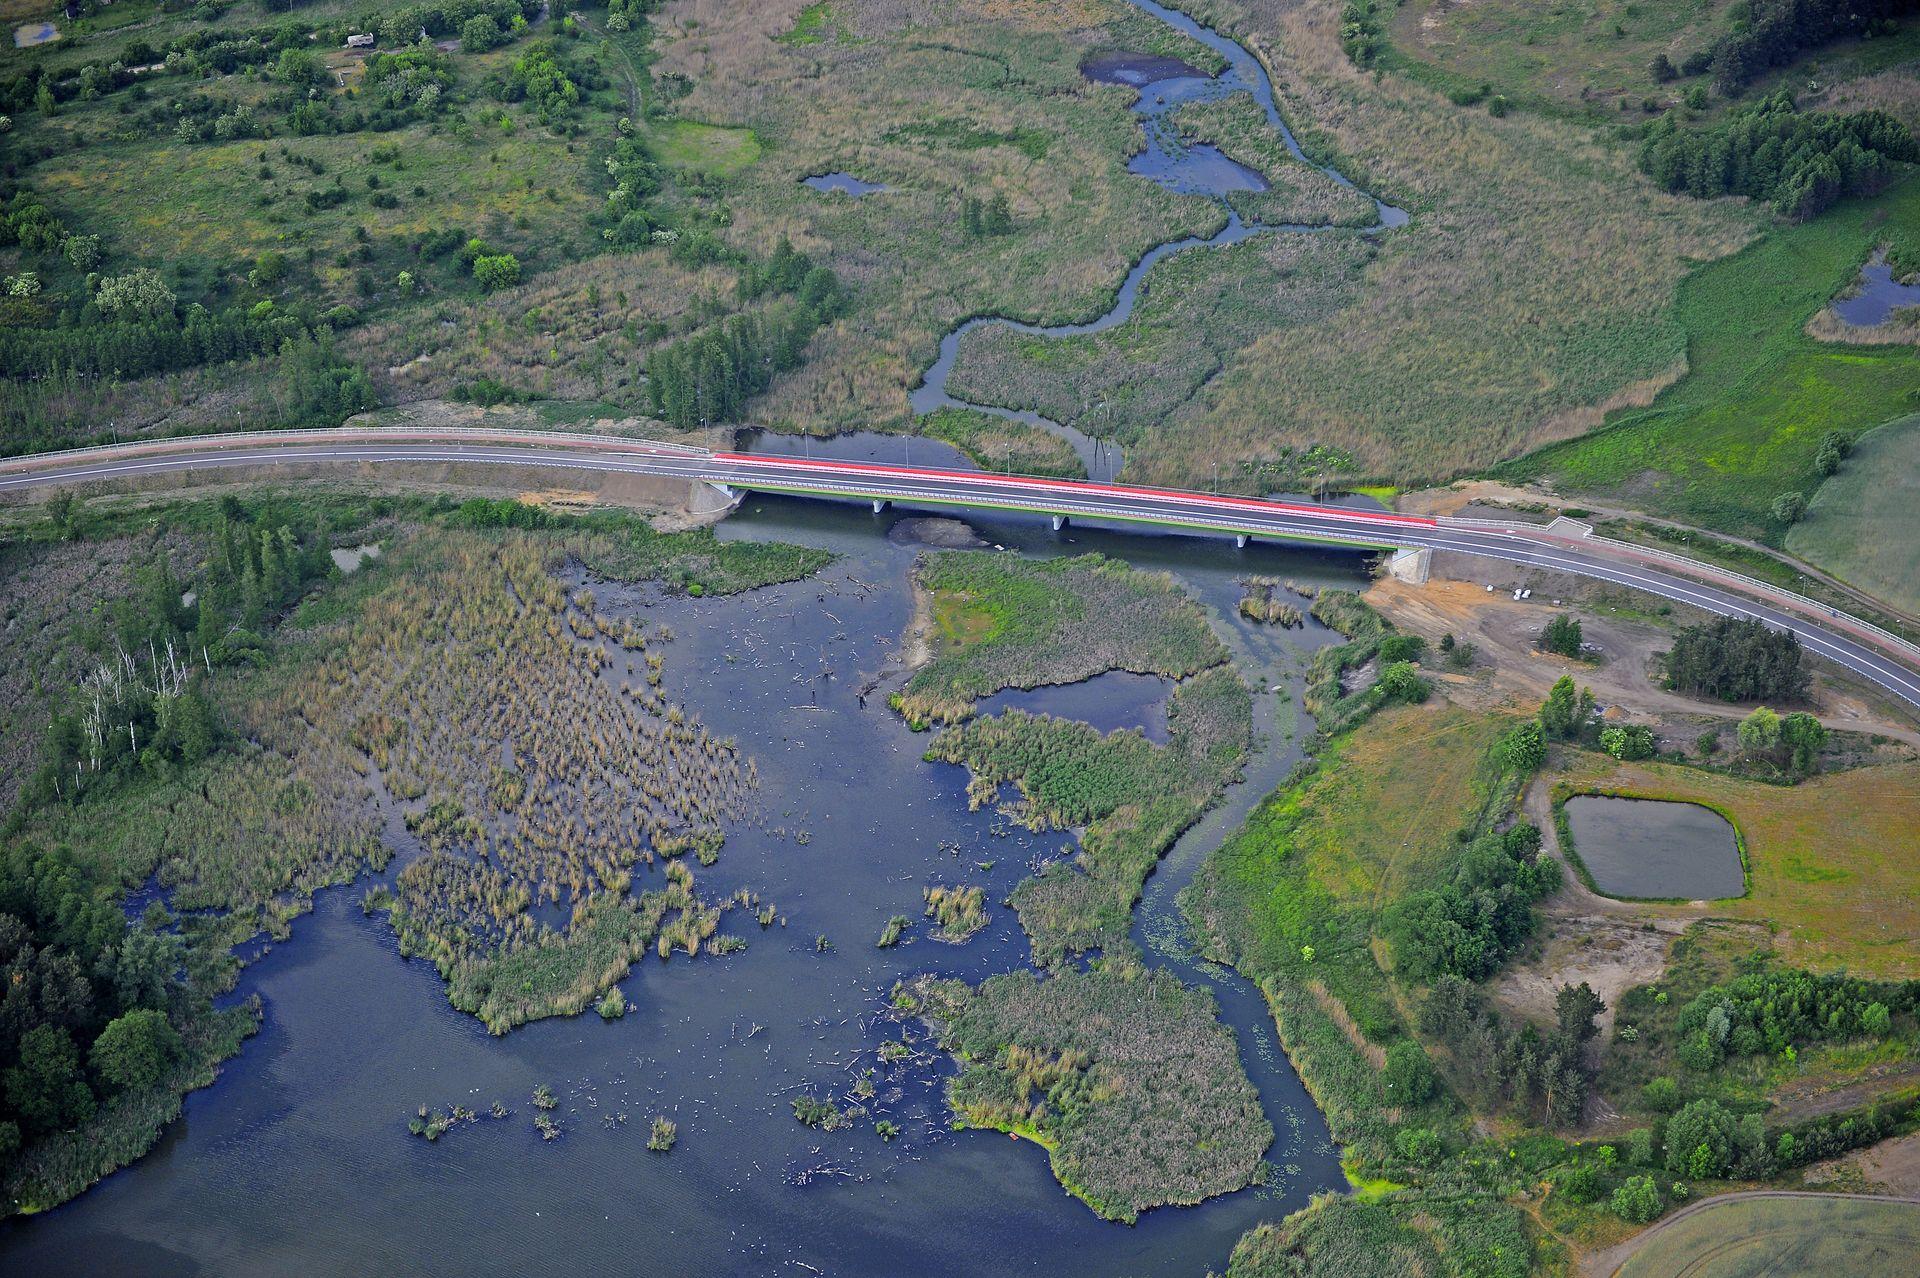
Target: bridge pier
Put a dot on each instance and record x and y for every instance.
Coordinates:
(1059, 522)
(880, 504)
(1240, 540)
(1411, 564)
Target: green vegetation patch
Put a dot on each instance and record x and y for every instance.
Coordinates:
(1009, 622)
(995, 442)
(1863, 524)
(1746, 424)
(707, 148)
(1134, 799)
(1130, 1082)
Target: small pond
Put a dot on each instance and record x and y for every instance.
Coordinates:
(1114, 701)
(846, 183)
(1653, 848)
(1878, 295)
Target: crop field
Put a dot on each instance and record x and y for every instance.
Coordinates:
(1840, 889)
(1542, 233)
(1748, 1238)
(1863, 524)
(1744, 424)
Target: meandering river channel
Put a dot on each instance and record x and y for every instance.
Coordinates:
(298, 1159)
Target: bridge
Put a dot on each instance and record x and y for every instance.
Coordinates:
(1565, 545)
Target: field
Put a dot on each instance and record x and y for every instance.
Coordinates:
(1830, 859)
(1748, 1238)
(1745, 423)
(1536, 229)
(1566, 58)
(1863, 524)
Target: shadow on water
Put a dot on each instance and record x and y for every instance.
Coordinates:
(298, 1157)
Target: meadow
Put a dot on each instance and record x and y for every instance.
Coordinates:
(1746, 422)
(1863, 524)
(1535, 228)
(1838, 892)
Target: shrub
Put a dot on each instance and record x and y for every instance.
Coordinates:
(1409, 1074)
(496, 271)
(1562, 636)
(1637, 1201)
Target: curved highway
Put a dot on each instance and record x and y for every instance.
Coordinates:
(1847, 641)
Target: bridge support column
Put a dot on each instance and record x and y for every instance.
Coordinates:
(1241, 539)
(880, 504)
(1411, 564)
(1059, 522)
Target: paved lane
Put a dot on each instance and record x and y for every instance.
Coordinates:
(1842, 639)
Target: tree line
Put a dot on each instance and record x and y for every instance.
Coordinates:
(1771, 33)
(709, 376)
(1801, 163)
(1737, 660)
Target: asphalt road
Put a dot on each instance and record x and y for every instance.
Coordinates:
(1839, 638)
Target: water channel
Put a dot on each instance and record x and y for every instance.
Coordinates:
(1164, 85)
(298, 1159)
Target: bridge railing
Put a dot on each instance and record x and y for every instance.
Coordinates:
(352, 434)
(1700, 568)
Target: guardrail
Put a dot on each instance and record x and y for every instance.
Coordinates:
(1696, 568)
(353, 434)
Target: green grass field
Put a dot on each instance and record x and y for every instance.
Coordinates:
(1752, 1237)
(1864, 523)
(1745, 422)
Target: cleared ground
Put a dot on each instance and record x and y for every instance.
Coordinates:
(1751, 1237)
(1864, 523)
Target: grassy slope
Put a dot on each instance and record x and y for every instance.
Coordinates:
(1841, 1238)
(1744, 424)
(1842, 891)
(1864, 523)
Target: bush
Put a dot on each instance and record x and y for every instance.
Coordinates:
(1661, 1095)
(1705, 1141)
(1403, 648)
(1409, 1074)
(1401, 681)
(1562, 636)
(496, 271)
(1637, 1201)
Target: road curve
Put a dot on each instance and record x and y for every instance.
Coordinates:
(1845, 640)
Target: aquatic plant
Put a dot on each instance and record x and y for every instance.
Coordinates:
(665, 1131)
(959, 911)
(890, 934)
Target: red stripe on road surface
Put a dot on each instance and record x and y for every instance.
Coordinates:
(1077, 485)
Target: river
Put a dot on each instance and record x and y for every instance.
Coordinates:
(1189, 170)
(298, 1160)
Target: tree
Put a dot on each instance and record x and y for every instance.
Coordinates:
(1561, 636)
(139, 294)
(1662, 69)
(1409, 1074)
(1737, 661)
(1788, 507)
(1804, 736)
(1760, 731)
(81, 251)
(480, 33)
(135, 1051)
(1574, 1008)
(1522, 748)
(1629, 742)
(1637, 1200)
(46, 1088)
(1556, 712)
(1401, 681)
(497, 271)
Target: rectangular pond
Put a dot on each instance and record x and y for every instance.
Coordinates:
(1655, 848)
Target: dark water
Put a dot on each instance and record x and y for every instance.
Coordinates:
(1165, 84)
(1879, 295)
(845, 183)
(298, 1160)
(1646, 847)
(1115, 701)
